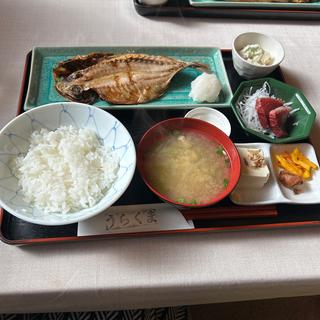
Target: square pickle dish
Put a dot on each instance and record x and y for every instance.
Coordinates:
(42, 90)
(273, 191)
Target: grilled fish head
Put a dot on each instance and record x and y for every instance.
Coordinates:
(67, 70)
(76, 93)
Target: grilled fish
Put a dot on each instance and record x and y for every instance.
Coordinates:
(119, 79)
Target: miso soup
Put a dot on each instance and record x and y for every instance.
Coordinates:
(188, 167)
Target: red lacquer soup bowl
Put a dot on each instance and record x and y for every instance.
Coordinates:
(160, 131)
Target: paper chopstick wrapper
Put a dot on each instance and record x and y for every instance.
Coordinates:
(134, 218)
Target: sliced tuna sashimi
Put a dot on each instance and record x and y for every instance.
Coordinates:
(278, 118)
(263, 108)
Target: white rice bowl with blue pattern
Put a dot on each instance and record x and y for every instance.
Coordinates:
(15, 143)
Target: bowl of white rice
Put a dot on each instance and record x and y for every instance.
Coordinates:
(63, 163)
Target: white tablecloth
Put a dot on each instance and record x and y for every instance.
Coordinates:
(168, 270)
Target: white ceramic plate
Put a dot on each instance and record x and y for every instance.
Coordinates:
(273, 191)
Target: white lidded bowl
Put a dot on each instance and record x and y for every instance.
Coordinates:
(212, 116)
(249, 70)
(14, 141)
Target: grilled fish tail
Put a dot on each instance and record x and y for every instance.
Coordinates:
(200, 66)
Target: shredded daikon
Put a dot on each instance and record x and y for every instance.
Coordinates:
(247, 107)
(294, 110)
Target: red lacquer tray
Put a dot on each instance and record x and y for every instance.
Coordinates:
(224, 216)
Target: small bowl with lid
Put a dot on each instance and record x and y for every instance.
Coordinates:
(250, 52)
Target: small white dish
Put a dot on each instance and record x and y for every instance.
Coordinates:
(249, 70)
(211, 116)
(273, 191)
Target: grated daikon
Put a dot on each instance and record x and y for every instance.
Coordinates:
(205, 88)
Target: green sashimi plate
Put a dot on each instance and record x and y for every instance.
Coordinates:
(255, 5)
(41, 88)
(298, 124)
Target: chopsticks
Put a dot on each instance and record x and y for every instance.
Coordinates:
(230, 212)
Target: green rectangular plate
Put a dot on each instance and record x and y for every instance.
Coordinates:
(41, 88)
(254, 5)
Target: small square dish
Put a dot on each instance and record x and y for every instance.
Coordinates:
(42, 90)
(273, 191)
